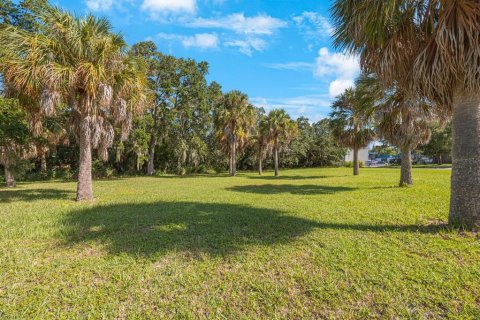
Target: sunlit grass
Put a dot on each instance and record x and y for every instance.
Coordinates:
(316, 243)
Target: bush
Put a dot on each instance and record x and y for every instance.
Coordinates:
(349, 164)
(101, 170)
(201, 169)
(64, 173)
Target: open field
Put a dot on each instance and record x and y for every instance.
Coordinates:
(316, 243)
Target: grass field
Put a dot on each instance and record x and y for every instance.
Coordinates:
(314, 243)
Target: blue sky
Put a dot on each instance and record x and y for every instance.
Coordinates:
(279, 52)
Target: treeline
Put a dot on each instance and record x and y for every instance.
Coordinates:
(78, 101)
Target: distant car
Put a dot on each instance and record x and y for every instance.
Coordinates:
(372, 163)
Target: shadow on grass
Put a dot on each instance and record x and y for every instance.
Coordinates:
(309, 189)
(380, 228)
(199, 228)
(14, 194)
(215, 229)
(288, 177)
(189, 176)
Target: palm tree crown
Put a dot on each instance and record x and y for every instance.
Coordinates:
(280, 130)
(233, 122)
(430, 46)
(81, 63)
(350, 123)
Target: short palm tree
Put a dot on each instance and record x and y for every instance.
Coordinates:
(233, 122)
(281, 130)
(81, 63)
(400, 119)
(431, 47)
(351, 124)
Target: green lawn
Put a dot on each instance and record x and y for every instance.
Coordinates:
(314, 243)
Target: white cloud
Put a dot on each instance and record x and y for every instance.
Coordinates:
(314, 107)
(246, 34)
(338, 86)
(313, 27)
(259, 25)
(341, 66)
(200, 40)
(249, 32)
(248, 45)
(340, 69)
(161, 6)
(297, 66)
(99, 5)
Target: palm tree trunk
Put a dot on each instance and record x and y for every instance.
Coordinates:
(275, 152)
(260, 163)
(355, 161)
(9, 178)
(234, 157)
(84, 185)
(465, 188)
(43, 163)
(406, 168)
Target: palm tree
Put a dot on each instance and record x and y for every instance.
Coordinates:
(281, 130)
(431, 47)
(402, 120)
(81, 63)
(263, 143)
(233, 122)
(351, 124)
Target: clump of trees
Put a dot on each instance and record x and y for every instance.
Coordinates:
(71, 86)
(16, 143)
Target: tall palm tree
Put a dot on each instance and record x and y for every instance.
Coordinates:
(402, 120)
(264, 145)
(81, 63)
(233, 122)
(431, 47)
(351, 124)
(281, 130)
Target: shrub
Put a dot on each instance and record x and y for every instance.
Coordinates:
(101, 170)
(349, 164)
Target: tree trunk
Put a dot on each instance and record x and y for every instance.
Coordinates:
(153, 143)
(260, 163)
(234, 158)
(43, 163)
(465, 188)
(84, 185)
(275, 156)
(406, 168)
(355, 161)
(9, 178)
(139, 163)
(151, 157)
